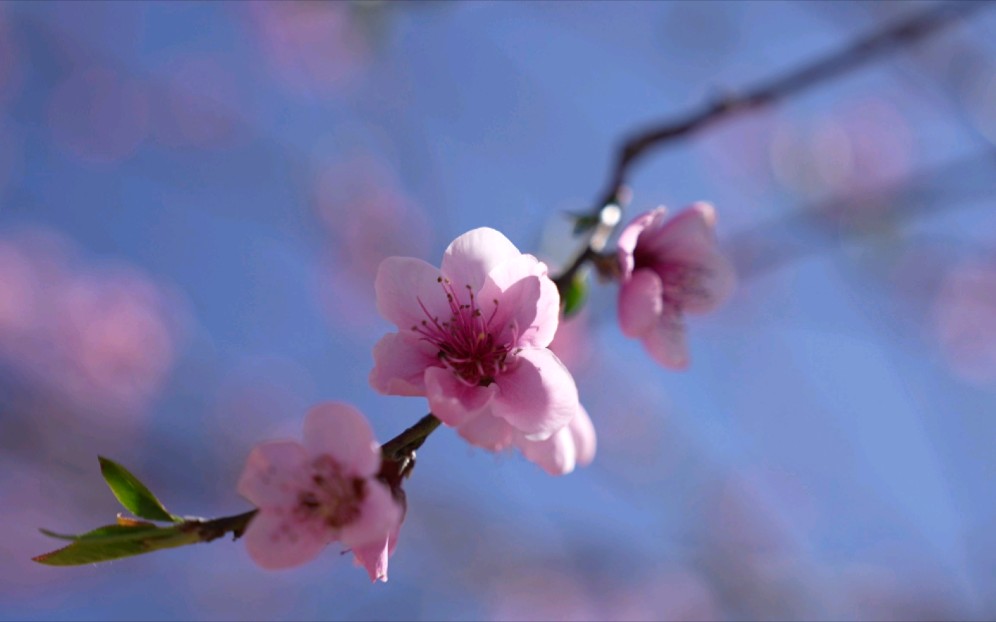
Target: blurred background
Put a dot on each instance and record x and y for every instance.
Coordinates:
(194, 198)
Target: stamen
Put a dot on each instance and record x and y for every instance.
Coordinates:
(466, 342)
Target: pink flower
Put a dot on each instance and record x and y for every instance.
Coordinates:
(669, 268)
(322, 491)
(472, 337)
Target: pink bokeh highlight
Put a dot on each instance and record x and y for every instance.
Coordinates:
(965, 321)
(11, 72)
(312, 49)
(99, 115)
(103, 337)
(863, 145)
(199, 105)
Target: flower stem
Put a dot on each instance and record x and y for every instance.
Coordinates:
(411, 439)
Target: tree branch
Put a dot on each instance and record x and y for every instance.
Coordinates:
(857, 54)
(807, 231)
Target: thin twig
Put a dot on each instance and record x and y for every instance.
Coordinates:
(215, 528)
(857, 54)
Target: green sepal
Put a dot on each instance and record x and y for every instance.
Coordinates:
(575, 295)
(133, 494)
(116, 541)
(583, 222)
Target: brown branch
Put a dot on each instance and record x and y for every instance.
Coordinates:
(859, 53)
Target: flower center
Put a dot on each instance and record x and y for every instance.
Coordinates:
(468, 342)
(333, 497)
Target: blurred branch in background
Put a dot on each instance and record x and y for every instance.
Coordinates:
(901, 34)
(809, 230)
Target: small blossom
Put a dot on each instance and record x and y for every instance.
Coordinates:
(321, 491)
(669, 268)
(472, 338)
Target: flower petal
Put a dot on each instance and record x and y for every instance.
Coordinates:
(555, 455)
(271, 473)
(713, 286)
(537, 395)
(527, 300)
(400, 361)
(692, 228)
(640, 303)
(275, 541)
(488, 431)
(452, 400)
(403, 286)
(379, 515)
(470, 257)
(583, 433)
(341, 431)
(630, 235)
(666, 341)
(374, 558)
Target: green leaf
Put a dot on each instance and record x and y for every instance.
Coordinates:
(117, 541)
(107, 532)
(575, 296)
(133, 494)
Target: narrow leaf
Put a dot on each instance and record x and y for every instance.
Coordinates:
(118, 541)
(133, 494)
(107, 532)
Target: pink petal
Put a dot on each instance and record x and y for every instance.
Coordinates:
(374, 558)
(272, 472)
(630, 235)
(537, 395)
(666, 342)
(341, 431)
(555, 455)
(583, 433)
(400, 361)
(487, 431)
(527, 300)
(693, 226)
(379, 515)
(640, 303)
(275, 543)
(405, 284)
(451, 399)
(715, 284)
(470, 257)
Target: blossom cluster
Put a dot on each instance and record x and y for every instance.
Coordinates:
(473, 338)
